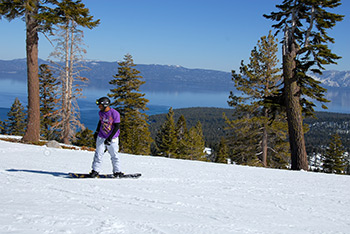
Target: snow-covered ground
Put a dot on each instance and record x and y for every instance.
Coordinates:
(172, 196)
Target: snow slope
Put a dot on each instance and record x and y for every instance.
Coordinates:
(172, 196)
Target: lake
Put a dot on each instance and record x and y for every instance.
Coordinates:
(159, 102)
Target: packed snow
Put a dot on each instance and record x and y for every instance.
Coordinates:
(172, 196)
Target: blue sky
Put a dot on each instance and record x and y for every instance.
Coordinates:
(208, 34)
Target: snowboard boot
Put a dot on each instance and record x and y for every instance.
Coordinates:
(118, 174)
(93, 174)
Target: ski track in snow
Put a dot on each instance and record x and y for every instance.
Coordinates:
(172, 196)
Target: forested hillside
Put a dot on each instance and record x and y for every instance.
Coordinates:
(213, 125)
(324, 126)
(212, 121)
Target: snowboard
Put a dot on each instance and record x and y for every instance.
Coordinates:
(103, 176)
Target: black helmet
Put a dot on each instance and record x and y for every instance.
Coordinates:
(103, 101)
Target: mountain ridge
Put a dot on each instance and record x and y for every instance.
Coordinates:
(164, 77)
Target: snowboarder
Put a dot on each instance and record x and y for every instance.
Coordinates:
(106, 137)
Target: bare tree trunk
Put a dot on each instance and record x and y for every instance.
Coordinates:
(294, 116)
(66, 90)
(68, 52)
(32, 133)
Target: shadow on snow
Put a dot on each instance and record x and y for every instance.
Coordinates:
(57, 174)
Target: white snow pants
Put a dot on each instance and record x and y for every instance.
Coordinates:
(113, 149)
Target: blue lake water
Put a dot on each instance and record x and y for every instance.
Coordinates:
(159, 102)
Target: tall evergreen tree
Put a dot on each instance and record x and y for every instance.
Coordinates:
(16, 121)
(243, 140)
(176, 141)
(48, 102)
(134, 133)
(166, 137)
(305, 48)
(181, 132)
(252, 136)
(222, 154)
(29, 10)
(334, 160)
(196, 144)
(40, 16)
(137, 137)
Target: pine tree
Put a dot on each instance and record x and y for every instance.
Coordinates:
(196, 144)
(134, 133)
(16, 121)
(48, 102)
(347, 163)
(137, 138)
(242, 140)
(334, 161)
(84, 137)
(40, 16)
(2, 127)
(252, 137)
(166, 137)
(181, 132)
(222, 154)
(175, 141)
(305, 47)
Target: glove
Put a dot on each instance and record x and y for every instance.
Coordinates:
(108, 141)
(95, 135)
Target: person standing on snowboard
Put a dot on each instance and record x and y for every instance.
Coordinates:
(106, 137)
